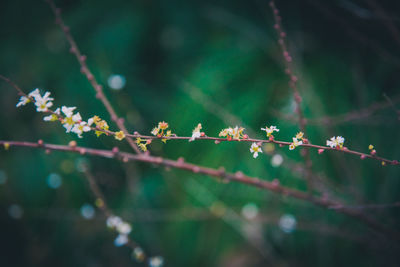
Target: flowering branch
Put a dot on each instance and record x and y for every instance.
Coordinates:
(73, 122)
(239, 177)
(89, 75)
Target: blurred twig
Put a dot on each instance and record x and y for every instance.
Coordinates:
(392, 105)
(359, 114)
(102, 205)
(288, 61)
(354, 33)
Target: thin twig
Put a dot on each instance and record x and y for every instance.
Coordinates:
(89, 75)
(288, 61)
(368, 206)
(392, 105)
(95, 189)
(359, 114)
(391, 27)
(220, 173)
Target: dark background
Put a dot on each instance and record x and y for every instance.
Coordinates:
(218, 63)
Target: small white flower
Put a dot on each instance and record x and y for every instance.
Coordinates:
(70, 120)
(35, 93)
(340, 140)
(52, 117)
(335, 142)
(255, 149)
(121, 240)
(113, 221)
(295, 143)
(80, 127)
(196, 133)
(23, 101)
(124, 228)
(43, 103)
(90, 122)
(270, 130)
(68, 110)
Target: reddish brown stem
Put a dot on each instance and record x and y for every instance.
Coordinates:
(89, 75)
(239, 177)
(288, 61)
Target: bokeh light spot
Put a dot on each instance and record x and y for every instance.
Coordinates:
(54, 180)
(87, 211)
(287, 223)
(276, 160)
(250, 211)
(15, 211)
(116, 81)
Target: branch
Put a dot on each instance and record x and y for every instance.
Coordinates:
(359, 114)
(89, 75)
(238, 177)
(218, 140)
(288, 61)
(102, 205)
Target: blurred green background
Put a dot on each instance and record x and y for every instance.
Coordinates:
(218, 63)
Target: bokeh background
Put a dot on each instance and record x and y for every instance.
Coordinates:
(218, 63)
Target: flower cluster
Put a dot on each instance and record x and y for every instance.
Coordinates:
(270, 130)
(71, 121)
(42, 103)
(101, 125)
(233, 133)
(297, 141)
(196, 133)
(161, 131)
(335, 142)
(255, 149)
(142, 143)
(123, 229)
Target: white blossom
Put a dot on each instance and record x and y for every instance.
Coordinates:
(196, 133)
(52, 117)
(255, 149)
(23, 101)
(270, 130)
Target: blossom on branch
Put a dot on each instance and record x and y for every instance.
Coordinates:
(70, 118)
(43, 103)
(270, 130)
(159, 131)
(23, 100)
(233, 133)
(295, 143)
(255, 149)
(52, 117)
(196, 133)
(335, 142)
(100, 124)
(80, 127)
(119, 135)
(143, 146)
